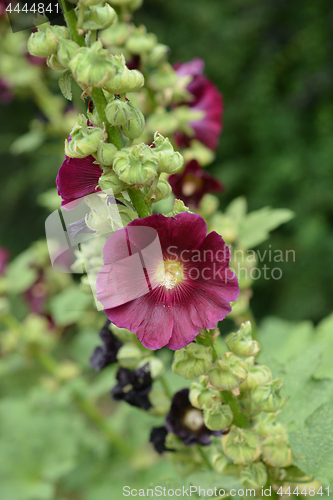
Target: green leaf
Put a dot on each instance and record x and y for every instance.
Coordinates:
(294, 353)
(28, 142)
(20, 273)
(237, 209)
(255, 227)
(283, 339)
(68, 306)
(65, 84)
(312, 444)
(324, 334)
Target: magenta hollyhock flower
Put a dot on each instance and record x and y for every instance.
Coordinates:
(206, 98)
(77, 177)
(166, 293)
(193, 183)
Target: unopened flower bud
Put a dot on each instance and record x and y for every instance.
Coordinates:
(116, 35)
(129, 356)
(68, 370)
(165, 76)
(99, 17)
(219, 462)
(53, 62)
(160, 402)
(254, 476)
(192, 361)
(169, 161)
(125, 80)
(156, 366)
(109, 180)
(218, 417)
(84, 139)
(66, 50)
(92, 66)
(258, 375)
(242, 446)
(276, 450)
(163, 190)
(135, 165)
(202, 396)
(117, 112)
(228, 372)
(140, 42)
(105, 153)
(135, 125)
(241, 343)
(267, 397)
(158, 55)
(45, 41)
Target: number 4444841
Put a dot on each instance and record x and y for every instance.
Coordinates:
(306, 491)
(35, 7)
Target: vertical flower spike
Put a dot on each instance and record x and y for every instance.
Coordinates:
(186, 286)
(193, 183)
(206, 98)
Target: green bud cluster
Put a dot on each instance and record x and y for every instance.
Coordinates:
(241, 343)
(84, 139)
(99, 17)
(192, 361)
(92, 66)
(46, 40)
(123, 80)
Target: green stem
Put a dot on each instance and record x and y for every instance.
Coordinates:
(204, 457)
(87, 406)
(94, 415)
(100, 105)
(71, 22)
(81, 16)
(239, 418)
(166, 387)
(139, 202)
(93, 36)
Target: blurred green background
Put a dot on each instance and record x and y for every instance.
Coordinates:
(272, 59)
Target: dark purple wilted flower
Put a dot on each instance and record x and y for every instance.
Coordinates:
(193, 183)
(105, 354)
(133, 387)
(187, 422)
(206, 98)
(157, 438)
(184, 285)
(77, 177)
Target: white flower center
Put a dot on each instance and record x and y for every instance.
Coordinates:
(169, 274)
(193, 419)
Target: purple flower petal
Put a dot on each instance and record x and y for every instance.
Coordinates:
(77, 177)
